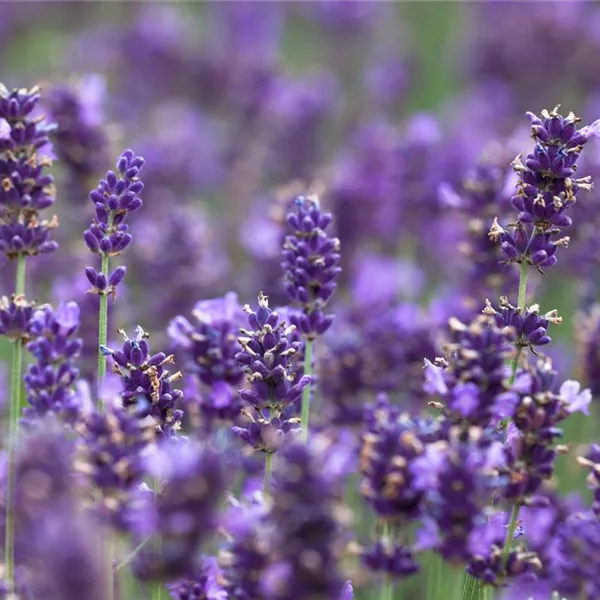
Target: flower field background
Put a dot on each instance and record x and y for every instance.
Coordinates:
(299, 300)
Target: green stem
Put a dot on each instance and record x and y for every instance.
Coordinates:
(308, 351)
(469, 588)
(102, 332)
(522, 285)
(521, 304)
(102, 339)
(16, 382)
(435, 578)
(268, 470)
(387, 585)
(157, 588)
(514, 516)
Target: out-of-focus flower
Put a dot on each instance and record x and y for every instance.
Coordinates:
(205, 583)
(183, 512)
(209, 348)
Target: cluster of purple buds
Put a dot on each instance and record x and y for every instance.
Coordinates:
(49, 381)
(534, 431)
(311, 265)
(183, 513)
(209, 347)
(115, 197)
(473, 380)
(591, 461)
(458, 476)
(80, 141)
(15, 318)
(147, 386)
(267, 358)
(487, 561)
(206, 581)
(390, 446)
(546, 190)
(529, 326)
(52, 533)
(25, 187)
(110, 456)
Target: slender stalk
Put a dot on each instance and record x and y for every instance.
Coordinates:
(435, 579)
(268, 471)
(387, 585)
(512, 525)
(102, 339)
(157, 588)
(521, 304)
(308, 351)
(16, 382)
(469, 588)
(102, 332)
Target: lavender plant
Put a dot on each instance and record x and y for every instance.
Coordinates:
(310, 265)
(25, 190)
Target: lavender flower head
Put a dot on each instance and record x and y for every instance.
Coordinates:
(115, 197)
(209, 347)
(15, 318)
(110, 455)
(25, 187)
(49, 382)
(147, 389)
(183, 513)
(546, 190)
(266, 356)
(305, 542)
(310, 264)
(529, 326)
(473, 382)
(206, 583)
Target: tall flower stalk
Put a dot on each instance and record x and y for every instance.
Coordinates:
(311, 266)
(115, 197)
(25, 190)
(546, 189)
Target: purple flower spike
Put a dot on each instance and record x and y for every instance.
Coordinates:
(530, 327)
(25, 186)
(267, 357)
(147, 385)
(50, 381)
(546, 190)
(15, 318)
(311, 265)
(183, 514)
(114, 198)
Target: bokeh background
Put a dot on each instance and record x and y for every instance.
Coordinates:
(404, 118)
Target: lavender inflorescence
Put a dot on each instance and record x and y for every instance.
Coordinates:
(115, 197)
(267, 356)
(50, 381)
(546, 190)
(147, 385)
(311, 265)
(26, 188)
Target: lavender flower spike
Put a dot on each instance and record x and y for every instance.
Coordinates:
(310, 264)
(266, 356)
